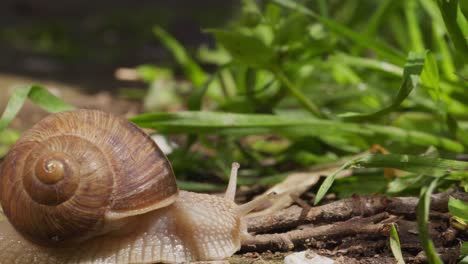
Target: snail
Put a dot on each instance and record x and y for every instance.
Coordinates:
(85, 186)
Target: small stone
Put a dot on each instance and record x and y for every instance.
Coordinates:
(307, 257)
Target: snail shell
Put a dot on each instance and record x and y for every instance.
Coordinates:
(76, 174)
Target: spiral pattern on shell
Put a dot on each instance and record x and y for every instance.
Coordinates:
(76, 171)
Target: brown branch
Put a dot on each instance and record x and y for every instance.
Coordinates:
(347, 208)
(313, 236)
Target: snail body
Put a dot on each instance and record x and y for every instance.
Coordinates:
(174, 234)
(85, 186)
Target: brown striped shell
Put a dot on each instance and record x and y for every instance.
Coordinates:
(75, 173)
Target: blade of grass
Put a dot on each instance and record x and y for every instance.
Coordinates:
(410, 8)
(398, 31)
(191, 69)
(251, 15)
(306, 103)
(423, 218)
(379, 48)
(245, 124)
(244, 48)
(378, 17)
(196, 98)
(456, 130)
(369, 63)
(464, 252)
(7, 138)
(458, 208)
(323, 7)
(413, 67)
(395, 245)
(430, 77)
(447, 64)
(462, 21)
(438, 34)
(328, 182)
(449, 10)
(38, 95)
(464, 8)
(425, 165)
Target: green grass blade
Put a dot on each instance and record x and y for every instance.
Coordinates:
(447, 64)
(323, 7)
(379, 48)
(439, 33)
(251, 15)
(191, 69)
(395, 245)
(449, 10)
(398, 31)
(464, 248)
(306, 103)
(464, 253)
(423, 218)
(464, 8)
(425, 165)
(38, 95)
(7, 138)
(378, 17)
(410, 8)
(373, 64)
(196, 98)
(430, 77)
(247, 124)
(244, 48)
(328, 182)
(458, 208)
(462, 22)
(413, 67)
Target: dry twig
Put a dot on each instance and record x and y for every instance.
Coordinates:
(347, 208)
(311, 236)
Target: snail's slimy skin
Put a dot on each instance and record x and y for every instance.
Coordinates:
(182, 232)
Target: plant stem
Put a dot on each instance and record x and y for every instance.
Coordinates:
(311, 107)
